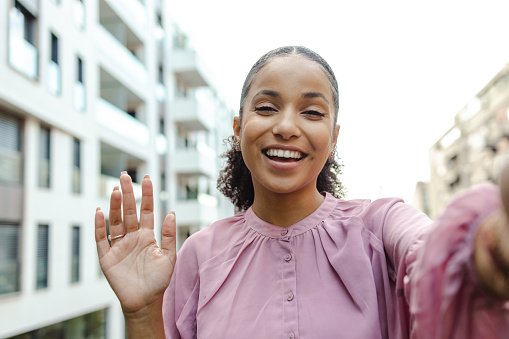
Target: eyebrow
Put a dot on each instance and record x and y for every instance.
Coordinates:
(267, 92)
(306, 95)
(315, 95)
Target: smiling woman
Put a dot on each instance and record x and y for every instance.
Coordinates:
(297, 261)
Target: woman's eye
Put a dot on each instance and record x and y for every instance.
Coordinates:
(314, 113)
(264, 109)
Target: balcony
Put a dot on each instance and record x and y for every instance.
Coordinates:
(53, 78)
(187, 66)
(195, 161)
(121, 123)
(120, 61)
(22, 54)
(131, 11)
(191, 114)
(200, 211)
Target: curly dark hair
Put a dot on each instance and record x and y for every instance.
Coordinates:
(235, 181)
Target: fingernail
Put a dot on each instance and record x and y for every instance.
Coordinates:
(97, 209)
(123, 172)
(116, 188)
(146, 176)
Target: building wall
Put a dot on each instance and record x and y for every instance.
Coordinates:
(474, 149)
(126, 117)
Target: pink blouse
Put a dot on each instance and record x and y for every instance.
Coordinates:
(351, 269)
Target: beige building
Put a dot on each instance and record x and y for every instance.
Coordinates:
(475, 148)
(88, 89)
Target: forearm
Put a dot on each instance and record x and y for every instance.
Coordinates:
(146, 323)
(491, 254)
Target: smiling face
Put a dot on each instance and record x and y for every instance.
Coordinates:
(287, 129)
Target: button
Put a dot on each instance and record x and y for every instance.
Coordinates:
(288, 257)
(289, 296)
(284, 232)
(291, 335)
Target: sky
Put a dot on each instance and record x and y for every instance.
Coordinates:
(404, 68)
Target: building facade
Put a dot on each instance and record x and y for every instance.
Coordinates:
(475, 148)
(89, 88)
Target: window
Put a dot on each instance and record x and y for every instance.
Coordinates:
(9, 258)
(80, 70)
(53, 67)
(76, 168)
(23, 54)
(11, 157)
(42, 257)
(75, 254)
(44, 157)
(79, 87)
(54, 48)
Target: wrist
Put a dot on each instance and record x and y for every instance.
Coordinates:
(146, 322)
(491, 258)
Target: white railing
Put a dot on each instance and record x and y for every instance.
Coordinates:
(160, 92)
(78, 14)
(134, 10)
(53, 80)
(122, 123)
(192, 113)
(79, 95)
(22, 54)
(130, 66)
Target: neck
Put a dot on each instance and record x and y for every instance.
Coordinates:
(285, 209)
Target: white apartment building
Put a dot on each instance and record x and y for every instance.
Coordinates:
(475, 148)
(89, 88)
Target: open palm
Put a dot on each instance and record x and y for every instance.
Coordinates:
(134, 265)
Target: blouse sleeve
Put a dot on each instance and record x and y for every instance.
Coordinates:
(437, 287)
(179, 309)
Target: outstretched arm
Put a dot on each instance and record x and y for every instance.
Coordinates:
(136, 268)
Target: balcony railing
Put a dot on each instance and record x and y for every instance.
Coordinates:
(121, 123)
(135, 11)
(188, 112)
(188, 66)
(79, 95)
(124, 62)
(53, 81)
(22, 54)
(195, 161)
(78, 14)
(200, 211)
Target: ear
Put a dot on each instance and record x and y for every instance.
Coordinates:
(334, 141)
(334, 138)
(236, 128)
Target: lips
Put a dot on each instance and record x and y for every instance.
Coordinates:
(285, 155)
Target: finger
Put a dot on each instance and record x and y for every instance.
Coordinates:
(100, 234)
(147, 203)
(168, 239)
(129, 203)
(116, 226)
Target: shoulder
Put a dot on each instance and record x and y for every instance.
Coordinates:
(215, 238)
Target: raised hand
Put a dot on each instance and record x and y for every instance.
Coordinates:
(136, 268)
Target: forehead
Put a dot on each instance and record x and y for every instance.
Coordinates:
(292, 73)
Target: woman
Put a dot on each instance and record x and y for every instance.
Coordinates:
(297, 262)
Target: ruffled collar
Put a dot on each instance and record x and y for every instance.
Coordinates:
(321, 213)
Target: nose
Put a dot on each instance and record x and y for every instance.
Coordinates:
(286, 125)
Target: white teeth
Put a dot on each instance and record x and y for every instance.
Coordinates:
(283, 153)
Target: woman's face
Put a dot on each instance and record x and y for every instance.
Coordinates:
(287, 129)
